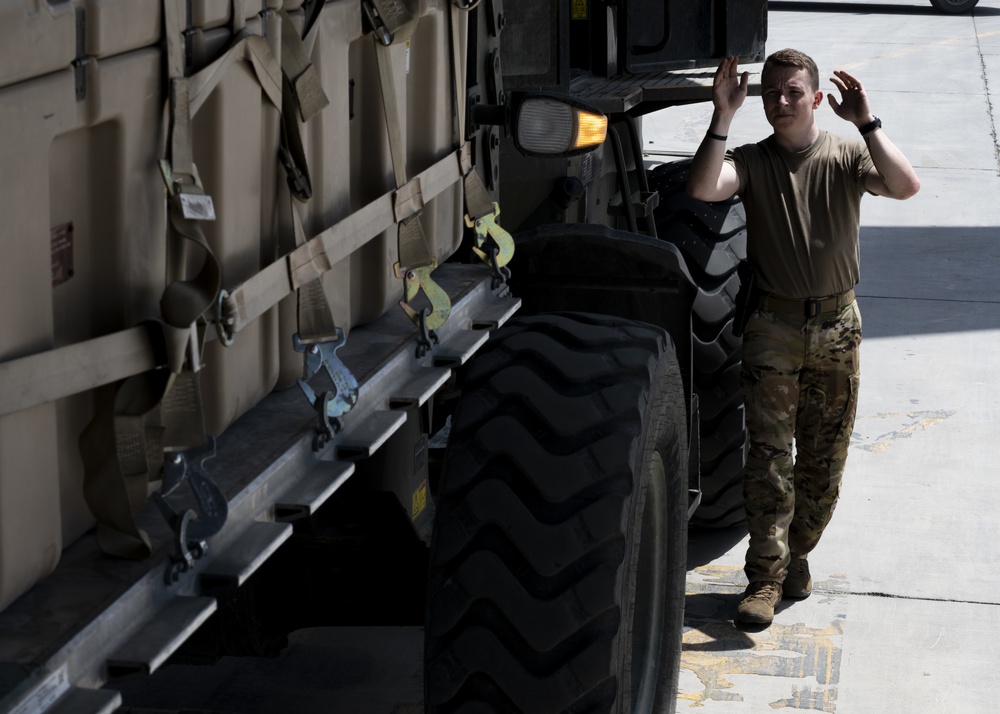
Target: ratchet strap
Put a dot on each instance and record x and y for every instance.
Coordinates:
(390, 20)
(36, 379)
(161, 409)
(302, 99)
(493, 245)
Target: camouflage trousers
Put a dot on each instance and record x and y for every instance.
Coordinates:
(800, 382)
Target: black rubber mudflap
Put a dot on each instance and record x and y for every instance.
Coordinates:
(567, 451)
(712, 238)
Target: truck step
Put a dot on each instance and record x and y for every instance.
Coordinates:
(619, 94)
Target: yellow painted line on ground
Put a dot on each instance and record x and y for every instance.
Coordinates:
(919, 48)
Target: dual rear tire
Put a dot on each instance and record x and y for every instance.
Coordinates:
(712, 238)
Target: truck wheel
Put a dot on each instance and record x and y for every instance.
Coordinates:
(559, 551)
(712, 238)
(954, 7)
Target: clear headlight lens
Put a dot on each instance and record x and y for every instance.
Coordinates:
(551, 127)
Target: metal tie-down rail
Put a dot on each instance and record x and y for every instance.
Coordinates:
(56, 654)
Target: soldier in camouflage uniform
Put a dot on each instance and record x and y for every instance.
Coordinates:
(802, 190)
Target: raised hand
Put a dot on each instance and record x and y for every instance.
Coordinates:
(729, 88)
(853, 106)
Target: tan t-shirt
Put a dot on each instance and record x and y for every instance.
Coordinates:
(803, 213)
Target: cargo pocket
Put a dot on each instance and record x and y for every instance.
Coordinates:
(847, 415)
(770, 417)
(849, 402)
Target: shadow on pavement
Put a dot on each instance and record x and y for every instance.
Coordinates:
(928, 279)
(705, 545)
(711, 614)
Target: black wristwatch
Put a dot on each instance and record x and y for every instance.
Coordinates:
(871, 126)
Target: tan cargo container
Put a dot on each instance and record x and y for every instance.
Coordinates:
(350, 162)
(94, 131)
(43, 36)
(83, 220)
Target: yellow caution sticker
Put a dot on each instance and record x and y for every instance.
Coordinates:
(419, 501)
(579, 11)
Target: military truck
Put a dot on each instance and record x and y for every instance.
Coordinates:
(360, 311)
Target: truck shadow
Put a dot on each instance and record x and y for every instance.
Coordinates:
(928, 280)
(706, 545)
(713, 592)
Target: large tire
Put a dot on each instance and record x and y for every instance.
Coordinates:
(712, 238)
(954, 7)
(558, 557)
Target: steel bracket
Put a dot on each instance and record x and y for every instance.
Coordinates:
(329, 406)
(191, 530)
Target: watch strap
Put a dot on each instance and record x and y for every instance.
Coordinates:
(871, 126)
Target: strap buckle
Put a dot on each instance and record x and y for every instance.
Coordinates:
(298, 181)
(188, 197)
(378, 26)
(225, 319)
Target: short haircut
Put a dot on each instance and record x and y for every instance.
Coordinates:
(792, 58)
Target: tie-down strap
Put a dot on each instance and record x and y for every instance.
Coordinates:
(36, 379)
(307, 262)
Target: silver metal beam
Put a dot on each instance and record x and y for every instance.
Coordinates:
(96, 616)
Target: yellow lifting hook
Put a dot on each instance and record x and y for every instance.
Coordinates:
(486, 227)
(428, 320)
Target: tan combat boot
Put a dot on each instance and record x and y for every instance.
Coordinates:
(798, 583)
(757, 607)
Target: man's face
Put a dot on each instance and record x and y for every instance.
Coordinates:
(789, 99)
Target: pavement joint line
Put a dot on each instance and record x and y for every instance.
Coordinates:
(952, 168)
(868, 593)
(890, 596)
(989, 101)
(925, 299)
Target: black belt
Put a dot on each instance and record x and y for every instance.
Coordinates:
(809, 307)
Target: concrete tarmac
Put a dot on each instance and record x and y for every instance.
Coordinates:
(904, 617)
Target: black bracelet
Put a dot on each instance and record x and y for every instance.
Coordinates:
(717, 137)
(871, 126)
